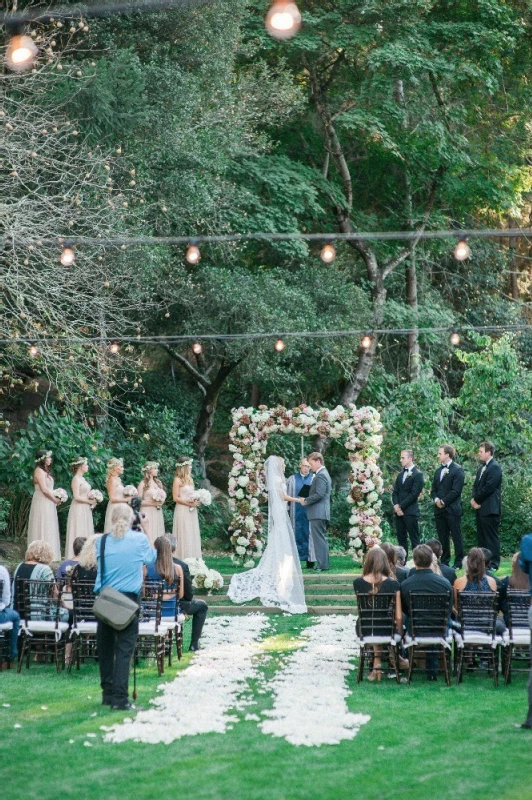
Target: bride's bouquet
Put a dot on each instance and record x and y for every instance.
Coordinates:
(203, 496)
(202, 576)
(159, 496)
(60, 495)
(95, 496)
(130, 491)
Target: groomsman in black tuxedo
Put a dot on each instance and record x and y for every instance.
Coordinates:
(407, 488)
(487, 502)
(446, 494)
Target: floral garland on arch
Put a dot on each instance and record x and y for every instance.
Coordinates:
(361, 430)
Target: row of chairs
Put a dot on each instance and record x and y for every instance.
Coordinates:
(45, 632)
(473, 640)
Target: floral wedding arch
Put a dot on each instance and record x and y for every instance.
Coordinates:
(360, 428)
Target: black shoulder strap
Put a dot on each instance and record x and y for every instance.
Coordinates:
(102, 558)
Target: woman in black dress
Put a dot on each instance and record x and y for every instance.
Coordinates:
(376, 578)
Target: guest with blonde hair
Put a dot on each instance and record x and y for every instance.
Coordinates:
(186, 523)
(124, 553)
(153, 496)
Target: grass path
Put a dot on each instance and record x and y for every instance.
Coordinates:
(423, 741)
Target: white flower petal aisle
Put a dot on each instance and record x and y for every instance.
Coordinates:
(310, 691)
(200, 697)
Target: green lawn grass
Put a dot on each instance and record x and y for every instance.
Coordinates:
(423, 741)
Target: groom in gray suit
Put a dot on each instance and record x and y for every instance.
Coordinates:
(318, 507)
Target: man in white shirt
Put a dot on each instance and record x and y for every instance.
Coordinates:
(9, 615)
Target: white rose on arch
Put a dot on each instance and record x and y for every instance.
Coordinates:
(243, 480)
(239, 494)
(240, 550)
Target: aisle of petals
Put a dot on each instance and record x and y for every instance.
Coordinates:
(219, 673)
(310, 691)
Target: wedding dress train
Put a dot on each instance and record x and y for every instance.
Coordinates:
(277, 580)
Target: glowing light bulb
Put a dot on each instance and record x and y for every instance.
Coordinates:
(21, 53)
(462, 251)
(67, 256)
(114, 347)
(33, 350)
(279, 345)
(454, 338)
(283, 20)
(193, 254)
(197, 348)
(365, 343)
(328, 253)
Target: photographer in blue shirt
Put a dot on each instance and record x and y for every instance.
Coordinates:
(126, 552)
(525, 562)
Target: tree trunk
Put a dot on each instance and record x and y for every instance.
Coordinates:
(414, 357)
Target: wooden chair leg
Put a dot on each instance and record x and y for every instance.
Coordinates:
(459, 665)
(410, 663)
(446, 667)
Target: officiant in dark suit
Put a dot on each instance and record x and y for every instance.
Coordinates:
(407, 488)
(298, 515)
(486, 501)
(446, 494)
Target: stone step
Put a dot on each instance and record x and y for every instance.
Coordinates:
(319, 577)
(223, 599)
(312, 610)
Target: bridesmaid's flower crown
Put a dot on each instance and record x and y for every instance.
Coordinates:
(186, 463)
(78, 461)
(150, 465)
(48, 454)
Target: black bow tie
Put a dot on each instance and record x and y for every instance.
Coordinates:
(405, 469)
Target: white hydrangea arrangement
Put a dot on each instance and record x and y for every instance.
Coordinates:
(203, 577)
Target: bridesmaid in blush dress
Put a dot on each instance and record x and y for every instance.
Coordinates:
(43, 523)
(115, 489)
(80, 522)
(151, 507)
(186, 524)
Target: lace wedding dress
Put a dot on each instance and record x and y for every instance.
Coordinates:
(277, 580)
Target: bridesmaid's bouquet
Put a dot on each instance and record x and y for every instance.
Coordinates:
(203, 496)
(95, 496)
(159, 496)
(130, 491)
(60, 495)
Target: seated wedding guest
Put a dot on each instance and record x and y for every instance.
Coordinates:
(62, 569)
(518, 581)
(376, 578)
(425, 580)
(87, 567)
(36, 567)
(126, 551)
(401, 555)
(197, 609)
(399, 573)
(475, 579)
(447, 571)
(170, 573)
(525, 563)
(8, 614)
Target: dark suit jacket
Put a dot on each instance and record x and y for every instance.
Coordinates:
(406, 494)
(424, 580)
(188, 589)
(401, 573)
(449, 490)
(487, 489)
(447, 572)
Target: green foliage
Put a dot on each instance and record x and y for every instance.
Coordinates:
(494, 401)
(5, 506)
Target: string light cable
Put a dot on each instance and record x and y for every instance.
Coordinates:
(234, 337)
(96, 10)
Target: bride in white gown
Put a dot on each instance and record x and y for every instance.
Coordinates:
(277, 579)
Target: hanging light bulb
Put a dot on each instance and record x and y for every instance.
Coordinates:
(328, 253)
(365, 342)
(114, 347)
(193, 254)
(454, 338)
(21, 52)
(33, 350)
(68, 255)
(197, 348)
(283, 20)
(279, 345)
(462, 251)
